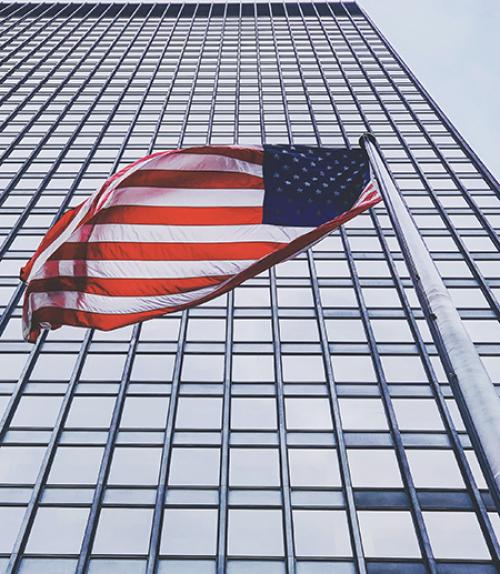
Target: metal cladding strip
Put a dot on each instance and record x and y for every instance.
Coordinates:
(222, 534)
(27, 27)
(48, 457)
(161, 493)
(286, 494)
(473, 157)
(494, 303)
(37, 47)
(259, 76)
(347, 487)
(465, 469)
(422, 534)
(85, 16)
(451, 172)
(469, 380)
(95, 509)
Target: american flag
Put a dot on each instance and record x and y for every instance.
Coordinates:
(180, 227)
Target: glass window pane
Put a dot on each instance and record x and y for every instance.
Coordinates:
(314, 467)
(388, 534)
(434, 469)
(90, 412)
(57, 530)
(123, 531)
(456, 535)
(374, 468)
(254, 467)
(321, 533)
(75, 465)
(194, 467)
(135, 466)
(10, 521)
(250, 413)
(189, 531)
(255, 533)
(144, 412)
(363, 414)
(20, 464)
(305, 414)
(199, 413)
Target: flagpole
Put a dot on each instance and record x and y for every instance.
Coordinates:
(469, 381)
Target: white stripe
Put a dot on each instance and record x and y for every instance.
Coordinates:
(203, 162)
(141, 269)
(102, 304)
(170, 197)
(187, 233)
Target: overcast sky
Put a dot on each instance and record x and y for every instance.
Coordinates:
(452, 46)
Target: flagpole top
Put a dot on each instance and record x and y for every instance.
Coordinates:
(367, 137)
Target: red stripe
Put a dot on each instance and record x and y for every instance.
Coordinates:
(57, 316)
(118, 251)
(252, 155)
(117, 287)
(150, 215)
(192, 179)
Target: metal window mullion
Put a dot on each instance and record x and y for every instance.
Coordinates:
(43, 473)
(488, 227)
(282, 432)
(236, 130)
(95, 509)
(215, 86)
(166, 456)
(442, 406)
(485, 172)
(53, 69)
(226, 421)
(422, 535)
(494, 303)
(286, 494)
(20, 32)
(259, 75)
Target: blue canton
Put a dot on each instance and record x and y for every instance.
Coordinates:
(307, 186)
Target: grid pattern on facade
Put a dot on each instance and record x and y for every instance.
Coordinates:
(302, 424)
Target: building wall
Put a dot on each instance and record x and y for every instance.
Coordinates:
(301, 424)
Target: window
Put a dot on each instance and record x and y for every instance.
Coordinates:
(199, 413)
(362, 414)
(123, 531)
(189, 531)
(434, 469)
(144, 412)
(153, 368)
(374, 468)
(253, 368)
(349, 370)
(57, 530)
(308, 414)
(37, 411)
(194, 467)
(90, 412)
(388, 534)
(257, 330)
(303, 368)
(75, 465)
(10, 521)
(314, 467)
(255, 532)
(251, 467)
(321, 533)
(134, 465)
(456, 535)
(417, 414)
(253, 413)
(20, 464)
(198, 368)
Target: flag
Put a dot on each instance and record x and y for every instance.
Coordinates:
(180, 227)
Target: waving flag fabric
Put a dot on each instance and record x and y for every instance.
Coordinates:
(180, 227)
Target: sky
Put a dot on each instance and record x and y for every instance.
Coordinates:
(452, 47)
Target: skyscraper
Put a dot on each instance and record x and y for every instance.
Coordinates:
(302, 424)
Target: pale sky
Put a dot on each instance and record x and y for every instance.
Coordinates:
(452, 47)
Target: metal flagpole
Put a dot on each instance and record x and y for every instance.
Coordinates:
(469, 380)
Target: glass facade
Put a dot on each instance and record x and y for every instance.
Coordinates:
(302, 424)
